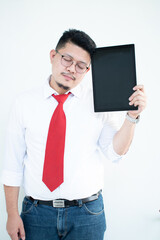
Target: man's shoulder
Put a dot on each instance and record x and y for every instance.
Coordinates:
(27, 100)
(30, 95)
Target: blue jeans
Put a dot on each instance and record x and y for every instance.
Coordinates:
(83, 222)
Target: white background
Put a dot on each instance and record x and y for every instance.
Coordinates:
(29, 29)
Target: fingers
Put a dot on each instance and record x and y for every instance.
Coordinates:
(14, 236)
(15, 227)
(138, 98)
(140, 102)
(22, 232)
(140, 87)
(13, 233)
(138, 92)
(18, 235)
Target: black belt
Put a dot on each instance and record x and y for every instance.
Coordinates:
(61, 203)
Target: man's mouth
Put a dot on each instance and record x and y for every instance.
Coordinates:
(68, 76)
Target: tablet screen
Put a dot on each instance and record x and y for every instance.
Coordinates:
(113, 77)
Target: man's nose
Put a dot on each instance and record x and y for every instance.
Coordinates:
(72, 68)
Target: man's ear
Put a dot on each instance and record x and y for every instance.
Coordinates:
(52, 54)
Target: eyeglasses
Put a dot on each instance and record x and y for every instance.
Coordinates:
(67, 61)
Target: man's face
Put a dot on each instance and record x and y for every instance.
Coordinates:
(63, 77)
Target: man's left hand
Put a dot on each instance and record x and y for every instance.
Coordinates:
(138, 98)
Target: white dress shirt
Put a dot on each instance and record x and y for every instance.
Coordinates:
(87, 135)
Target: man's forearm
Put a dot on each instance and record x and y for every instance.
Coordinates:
(123, 138)
(11, 195)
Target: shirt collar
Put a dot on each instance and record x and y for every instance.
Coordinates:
(48, 90)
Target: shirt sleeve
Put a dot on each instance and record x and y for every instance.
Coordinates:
(112, 123)
(15, 148)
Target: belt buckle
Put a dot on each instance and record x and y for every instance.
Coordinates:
(58, 203)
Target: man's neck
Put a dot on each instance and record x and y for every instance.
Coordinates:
(59, 88)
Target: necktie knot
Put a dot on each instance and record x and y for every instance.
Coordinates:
(61, 98)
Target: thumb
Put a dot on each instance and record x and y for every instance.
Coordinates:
(22, 232)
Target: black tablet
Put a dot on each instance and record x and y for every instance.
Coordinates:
(113, 77)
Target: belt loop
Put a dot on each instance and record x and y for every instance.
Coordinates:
(35, 203)
(80, 202)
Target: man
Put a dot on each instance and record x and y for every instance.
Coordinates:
(53, 146)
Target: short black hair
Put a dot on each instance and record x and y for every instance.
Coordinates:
(78, 38)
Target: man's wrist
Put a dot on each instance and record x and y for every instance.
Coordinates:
(132, 115)
(13, 211)
(133, 119)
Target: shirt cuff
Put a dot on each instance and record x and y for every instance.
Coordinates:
(10, 178)
(112, 155)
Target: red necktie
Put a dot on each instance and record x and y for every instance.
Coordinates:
(54, 155)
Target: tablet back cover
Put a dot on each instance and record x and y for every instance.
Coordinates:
(113, 77)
